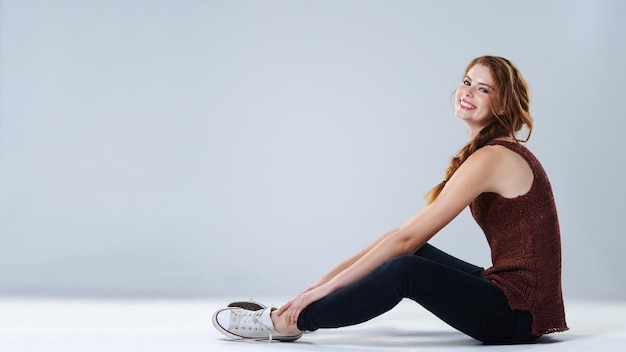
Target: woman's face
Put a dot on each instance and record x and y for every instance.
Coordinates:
(473, 98)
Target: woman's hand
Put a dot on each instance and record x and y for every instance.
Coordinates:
(294, 307)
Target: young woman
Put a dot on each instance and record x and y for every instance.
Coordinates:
(516, 300)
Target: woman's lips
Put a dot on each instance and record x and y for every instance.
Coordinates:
(466, 106)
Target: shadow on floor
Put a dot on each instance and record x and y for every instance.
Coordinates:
(364, 339)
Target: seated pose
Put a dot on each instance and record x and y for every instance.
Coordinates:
(516, 300)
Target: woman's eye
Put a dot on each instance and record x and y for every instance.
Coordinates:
(484, 90)
(466, 82)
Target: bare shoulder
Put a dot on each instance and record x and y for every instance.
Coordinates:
(490, 153)
(489, 158)
(507, 171)
(501, 154)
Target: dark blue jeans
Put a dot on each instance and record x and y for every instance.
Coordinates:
(450, 288)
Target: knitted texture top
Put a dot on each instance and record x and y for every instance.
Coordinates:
(525, 241)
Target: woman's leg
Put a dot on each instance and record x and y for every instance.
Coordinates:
(430, 252)
(468, 303)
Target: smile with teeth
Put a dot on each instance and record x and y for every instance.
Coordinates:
(466, 105)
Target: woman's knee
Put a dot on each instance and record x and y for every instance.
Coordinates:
(405, 266)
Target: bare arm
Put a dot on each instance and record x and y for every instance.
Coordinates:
(348, 262)
(475, 176)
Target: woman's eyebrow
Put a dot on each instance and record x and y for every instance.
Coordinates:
(484, 84)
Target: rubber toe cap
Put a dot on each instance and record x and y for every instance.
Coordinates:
(222, 318)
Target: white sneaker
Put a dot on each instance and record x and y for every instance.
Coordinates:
(249, 305)
(239, 323)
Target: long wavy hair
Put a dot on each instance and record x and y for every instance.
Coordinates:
(510, 108)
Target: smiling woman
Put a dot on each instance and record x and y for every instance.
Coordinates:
(490, 108)
(516, 300)
(473, 99)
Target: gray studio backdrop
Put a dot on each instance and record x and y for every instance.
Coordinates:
(164, 148)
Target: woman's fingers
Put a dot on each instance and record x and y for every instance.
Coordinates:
(293, 316)
(296, 308)
(293, 308)
(285, 307)
(289, 314)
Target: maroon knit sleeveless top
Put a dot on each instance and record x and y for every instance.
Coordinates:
(524, 237)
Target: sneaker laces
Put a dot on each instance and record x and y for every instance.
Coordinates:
(251, 320)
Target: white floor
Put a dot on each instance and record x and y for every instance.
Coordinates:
(185, 325)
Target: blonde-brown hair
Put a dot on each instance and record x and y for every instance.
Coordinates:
(510, 107)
